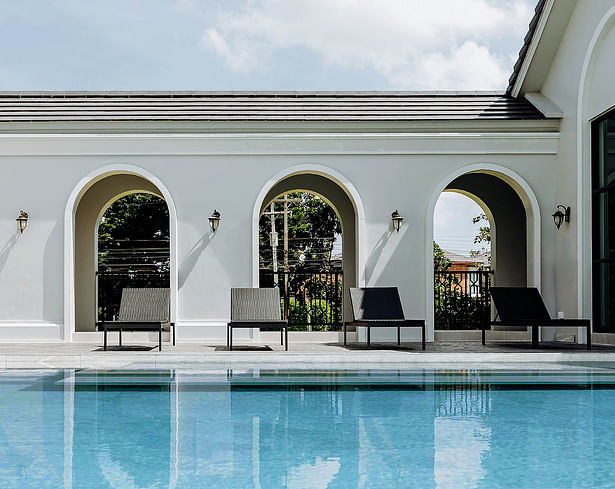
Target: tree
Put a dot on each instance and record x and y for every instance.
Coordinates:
(483, 236)
(440, 262)
(135, 217)
(125, 226)
(312, 227)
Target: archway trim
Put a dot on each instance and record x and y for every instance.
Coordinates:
(532, 210)
(583, 223)
(344, 183)
(69, 236)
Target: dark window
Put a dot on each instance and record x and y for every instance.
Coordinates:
(603, 187)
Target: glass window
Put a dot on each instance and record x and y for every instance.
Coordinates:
(603, 186)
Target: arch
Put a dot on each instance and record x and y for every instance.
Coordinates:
(69, 236)
(532, 211)
(584, 221)
(332, 175)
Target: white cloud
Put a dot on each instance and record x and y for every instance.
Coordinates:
(416, 44)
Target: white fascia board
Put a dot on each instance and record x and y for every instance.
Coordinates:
(531, 50)
(544, 105)
(277, 144)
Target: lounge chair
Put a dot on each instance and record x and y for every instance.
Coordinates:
(256, 308)
(141, 310)
(523, 306)
(380, 307)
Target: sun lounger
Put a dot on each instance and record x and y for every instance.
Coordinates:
(523, 306)
(380, 307)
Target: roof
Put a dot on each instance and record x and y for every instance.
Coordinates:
(261, 106)
(526, 44)
(457, 258)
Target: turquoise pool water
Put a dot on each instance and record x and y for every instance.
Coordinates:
(308, 429)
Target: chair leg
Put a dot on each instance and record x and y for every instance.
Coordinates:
(345, 327)
(589, 337)
(120, 332)
(173, 334)
(230, 341)
(281, 336)
(286, 337)
(227, 339)
(423, 335)
(534, 335)
(483, 334)
(398, 335)
(160, 339)
(105, 343)
(368, 336)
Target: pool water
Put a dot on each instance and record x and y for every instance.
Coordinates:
(307, 429)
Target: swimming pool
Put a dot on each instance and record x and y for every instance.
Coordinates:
(271, 428)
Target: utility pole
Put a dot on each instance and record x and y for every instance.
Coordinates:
(274, 243)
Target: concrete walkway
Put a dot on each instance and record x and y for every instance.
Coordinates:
(300, 355)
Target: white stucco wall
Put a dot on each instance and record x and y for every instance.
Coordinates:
(580, 83)
(206, 171)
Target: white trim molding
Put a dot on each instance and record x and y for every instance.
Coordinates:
(533, 226)
(584, 210)
(344, 183)
(69, 237)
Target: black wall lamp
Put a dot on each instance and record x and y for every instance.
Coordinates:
(214, 220)
(397, 220)
(22, 221)
(561, 214)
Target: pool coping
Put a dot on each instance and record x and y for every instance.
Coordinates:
(132, 359)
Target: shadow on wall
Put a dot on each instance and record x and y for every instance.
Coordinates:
(374, 256)
(187, 265)
(6, 251)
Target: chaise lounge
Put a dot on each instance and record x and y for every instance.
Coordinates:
(380, 307)
(141, 309)
(523, 306)
(256, 308)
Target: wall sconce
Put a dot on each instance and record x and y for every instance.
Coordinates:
(214, 220)
(397, 220)
(22, 221)
(562, 214)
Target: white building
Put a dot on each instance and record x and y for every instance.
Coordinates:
(66, 156)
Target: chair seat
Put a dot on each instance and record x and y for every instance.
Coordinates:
(258, 324)
(406, 323)
(133, 326)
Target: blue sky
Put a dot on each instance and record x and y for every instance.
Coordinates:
(260, 44)
(266, 45)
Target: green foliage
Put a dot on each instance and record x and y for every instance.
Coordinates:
(312, 227)
(135, 217)
(483, 236)
(440, 262)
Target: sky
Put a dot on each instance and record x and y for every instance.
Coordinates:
(261, 45)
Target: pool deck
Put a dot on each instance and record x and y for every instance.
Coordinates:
(300, 355)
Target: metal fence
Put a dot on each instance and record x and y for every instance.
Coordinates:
(462, 299)
(110, 285)
(311, 301)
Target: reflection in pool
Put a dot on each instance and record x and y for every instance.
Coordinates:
(307, 429)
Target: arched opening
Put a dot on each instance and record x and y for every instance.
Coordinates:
(497, 253)
(91, 202)
(132, 249)
(300, 251)
(333, 194)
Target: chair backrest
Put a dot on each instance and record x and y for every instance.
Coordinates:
(376, 303)
(519, 303)
(144, 305)
(255, 305)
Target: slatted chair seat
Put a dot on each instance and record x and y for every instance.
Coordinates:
(141, 309)
(256, 308)
(380, 307)
(523, 306)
